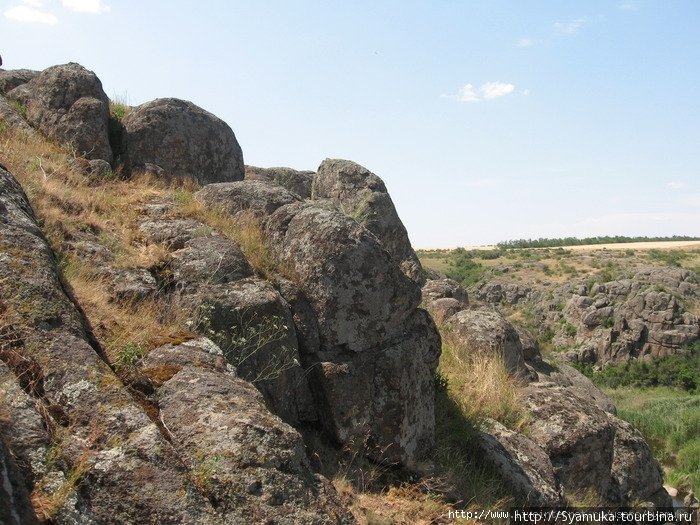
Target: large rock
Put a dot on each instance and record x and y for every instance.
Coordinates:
(256, 330)
(13, 78)
(248, 196)
(12, 118)
(567, 376)
(435, 289)
(248, 461)
(578, 437)
(373, 371)
(487, 331)
(361, 195)
(637, 473)
(183, 140)
(443, 298)
(67, 104)
(298, 182)
(383, 398)
(522, 465)
(209, 260)
(360, 297)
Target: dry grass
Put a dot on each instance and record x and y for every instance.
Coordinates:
(70, 205)
(46, 505)
(481, 386)
(244, 228)
(406, 504)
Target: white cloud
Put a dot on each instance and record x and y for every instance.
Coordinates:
(487, 91)
(525, 42)
(675, 185)
(495, 89)
(628, 5)
(467, 94)
(483, 183)
(571, 27)
(30, 15)
(525, 92)
(34, 3)
(86, 6)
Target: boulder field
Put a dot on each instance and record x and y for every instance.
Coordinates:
(332, 336)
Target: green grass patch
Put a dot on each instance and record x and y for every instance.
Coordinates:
(669, 257)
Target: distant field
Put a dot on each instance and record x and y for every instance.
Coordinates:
(651, 245)
(654, 245)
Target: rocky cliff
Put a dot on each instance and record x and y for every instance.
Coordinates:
(643, 312)
(328, 337)
(178, 329)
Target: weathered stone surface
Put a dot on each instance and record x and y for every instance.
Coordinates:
(15, 507)
(305, 322)
(485, 330)
(11, 118)
(508, 293)
(182, 139)
(361, 195)
(173, 233)
(162, 363)
(567, 376)
(522, 465)
(383, 397)
(531, 349)
(67, 103)
(444, 288)
(209, 260)
(247, 460)
(443, 309)
(12, 78)
(130, 473)
(297, 182)
(21, 423)
(256, 197)
(260, 341)
(21, 94)
(577, 436)
(130, 284)
(359, 295)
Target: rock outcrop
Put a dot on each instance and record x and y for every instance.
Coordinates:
(248, 196)
(641, 314)
(14, 78)
(522, 465)
(118, 460)
(574, 445)
(182, 140)
(361, 195)
(298, 182)
(67, 103)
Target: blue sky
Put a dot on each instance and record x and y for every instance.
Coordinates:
(488, 120)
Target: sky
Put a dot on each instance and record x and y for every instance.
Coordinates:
(488, 120)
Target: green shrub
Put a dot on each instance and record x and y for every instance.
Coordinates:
(463, 268)
(129, 355)
(19, 107)
(680, 371)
